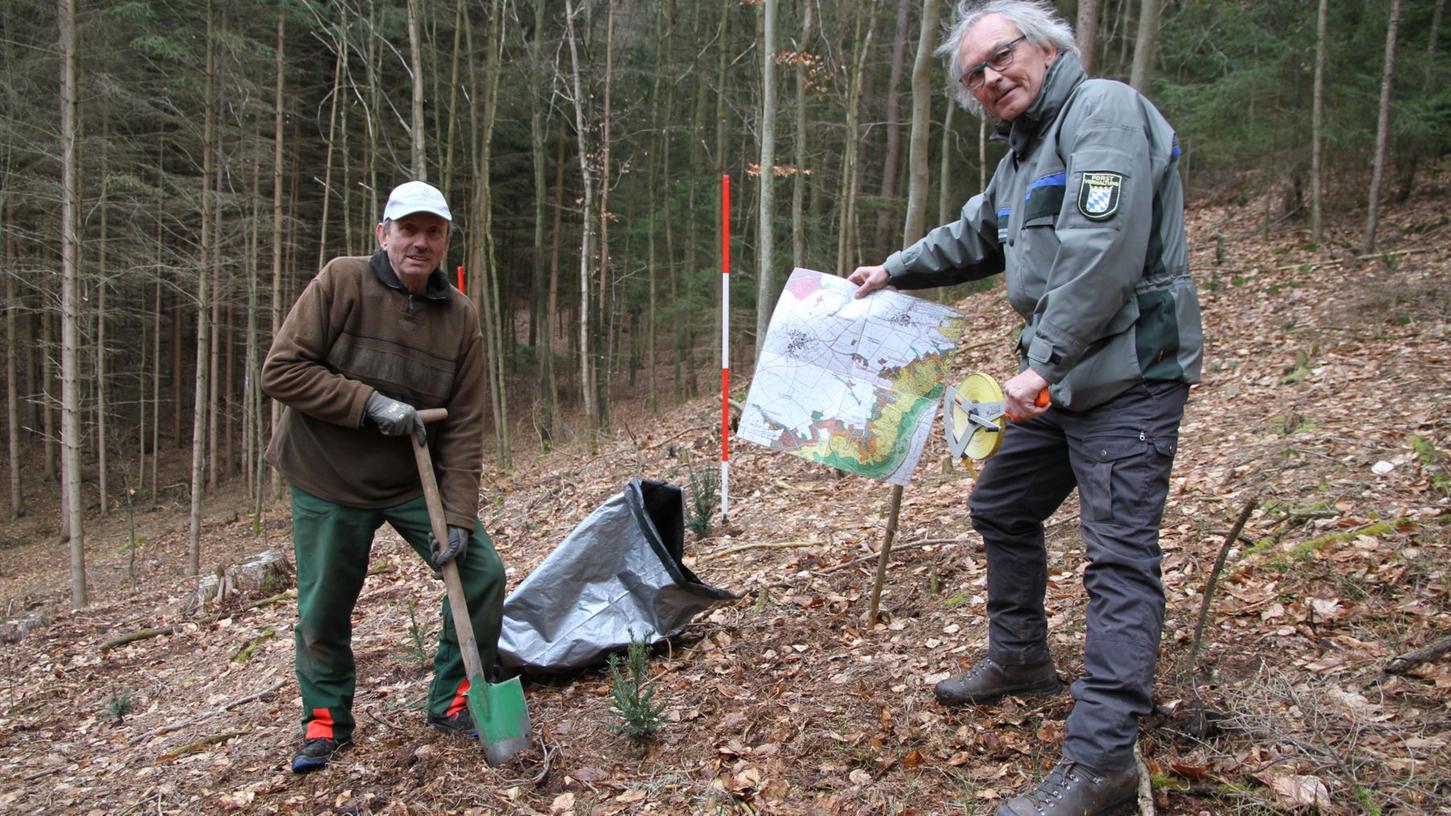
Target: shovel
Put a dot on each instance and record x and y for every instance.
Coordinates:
(498, 709)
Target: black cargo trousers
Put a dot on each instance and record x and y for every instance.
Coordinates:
(1118, 455)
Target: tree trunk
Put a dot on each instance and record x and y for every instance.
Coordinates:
(370, 116)
(846, 254)
(1317, 125)
(1382, 130)
(1413, 162)
(251, 392)
(212, 258)
(659, 140)
(179, 310)
(601, 369)
(279, 108)
(327, 173)
(1087, 32)
(458, 25)
(199, 410)
(103, 486)
(550, 386)
(160, 243)
(485, 270)
(1144, 45)
(893, 155)
(48, 395)
(766, 261)
(944, 170)
(919, 180)
(798, 179)
(415, 63)
(12, 308)
(70, 302)
(981, 155)
(586, 381)
(541, 319)
(155, 384)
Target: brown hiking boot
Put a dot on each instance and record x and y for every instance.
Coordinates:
(1074, 789)
(989, 681)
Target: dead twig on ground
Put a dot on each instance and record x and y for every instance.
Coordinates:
(926, 542)
(278, 598)
(1214, 579)
(222, 709)
(1402, 663)
(132, 637)
(759, 545)
(197, 745)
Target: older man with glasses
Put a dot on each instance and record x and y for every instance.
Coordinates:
(1084, 217)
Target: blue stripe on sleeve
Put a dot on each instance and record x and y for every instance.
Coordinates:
(1054, 180)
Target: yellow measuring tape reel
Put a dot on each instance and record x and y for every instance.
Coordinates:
(974, 418)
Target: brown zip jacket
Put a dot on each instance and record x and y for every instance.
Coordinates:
(354, 330)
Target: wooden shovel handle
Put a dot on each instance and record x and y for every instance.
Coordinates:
(458, 605)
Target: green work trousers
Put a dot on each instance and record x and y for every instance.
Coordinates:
(332, 543)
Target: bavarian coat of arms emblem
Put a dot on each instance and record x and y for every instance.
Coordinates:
(1098, 195)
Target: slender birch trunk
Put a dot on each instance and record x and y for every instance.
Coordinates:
(586, 380)
(103, 487)
(847, 254)
(70, 303)
(766, 262)
(892, 156)
(1144, 45)
(1382, 130)
(798, 178)
(604, 335)
(12, 307)
(415, 63)
(1317, 124)
(199, 409)
(1087, 32)
(919, 180)
(279, 108)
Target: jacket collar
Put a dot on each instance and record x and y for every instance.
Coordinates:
(437, 288)
(1064, 75)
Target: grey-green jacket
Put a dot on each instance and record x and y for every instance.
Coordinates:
(1085, 217)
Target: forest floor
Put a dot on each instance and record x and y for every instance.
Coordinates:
(1325, 406)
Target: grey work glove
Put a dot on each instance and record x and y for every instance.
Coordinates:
(458, 546)
(392, 417)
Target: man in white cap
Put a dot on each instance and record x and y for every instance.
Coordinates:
(368, 343)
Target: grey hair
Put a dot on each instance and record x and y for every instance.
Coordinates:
(1035, 20)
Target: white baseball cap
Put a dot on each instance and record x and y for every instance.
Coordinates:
(414, 197)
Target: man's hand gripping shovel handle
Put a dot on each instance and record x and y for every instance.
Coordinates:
(499, 710)
(458, 605)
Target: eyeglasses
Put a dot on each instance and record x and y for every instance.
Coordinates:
(999, 61)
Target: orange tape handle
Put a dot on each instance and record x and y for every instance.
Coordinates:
(1042, 401)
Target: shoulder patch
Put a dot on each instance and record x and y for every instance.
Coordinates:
(1098, 195)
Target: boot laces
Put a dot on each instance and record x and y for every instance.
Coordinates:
(984, 665)
(1059, 782)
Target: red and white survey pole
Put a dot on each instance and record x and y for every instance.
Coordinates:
(725, 348)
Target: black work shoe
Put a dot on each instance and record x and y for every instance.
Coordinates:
(990, 681)
(315, 754)
(1074, 789)
(460, 723)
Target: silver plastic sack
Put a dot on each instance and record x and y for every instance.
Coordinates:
(618, 575)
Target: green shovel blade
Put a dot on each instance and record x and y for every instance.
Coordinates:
(502, 717)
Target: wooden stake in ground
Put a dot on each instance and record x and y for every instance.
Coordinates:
(894, 509)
